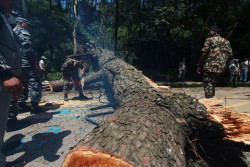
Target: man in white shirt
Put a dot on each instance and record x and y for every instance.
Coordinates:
(244, 69)
(182, 70)
(42, 66)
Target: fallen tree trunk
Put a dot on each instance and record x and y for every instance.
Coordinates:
(151, 126)
(57, 86)
(90, 82)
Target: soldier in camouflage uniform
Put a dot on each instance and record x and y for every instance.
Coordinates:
(30, 67)
(215, 55)
(73, 71)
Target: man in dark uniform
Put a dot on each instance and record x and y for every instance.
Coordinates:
(30, 67)
(215, 55)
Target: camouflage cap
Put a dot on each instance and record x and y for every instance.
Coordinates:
(23, 20)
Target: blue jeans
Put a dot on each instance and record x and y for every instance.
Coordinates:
(243, 73)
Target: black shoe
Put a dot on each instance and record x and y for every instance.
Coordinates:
(12, 116)
(12, 124)
(66, 97)
(12, 113)
(24, 107)
(35, 109)
(82, 97)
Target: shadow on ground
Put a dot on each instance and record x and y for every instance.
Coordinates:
(14, 125)
(41, 146)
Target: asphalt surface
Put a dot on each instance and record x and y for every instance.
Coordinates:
(236, 98)
(43, 140)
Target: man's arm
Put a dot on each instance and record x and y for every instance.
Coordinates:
(230, 53)
(205, 51)
(33, 58)
(201, 62)
(4, 69)
(10, 81)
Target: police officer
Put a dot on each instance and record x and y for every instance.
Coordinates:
(215, 55)
(10, 68)
(30, 67)
(73, 71)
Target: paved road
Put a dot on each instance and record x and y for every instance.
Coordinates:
(43, 140)
(237, 98)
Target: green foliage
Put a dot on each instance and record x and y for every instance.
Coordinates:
(52, 31)
(152, 35)
(54, 76)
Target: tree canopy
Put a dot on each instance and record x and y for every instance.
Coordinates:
(151, 34)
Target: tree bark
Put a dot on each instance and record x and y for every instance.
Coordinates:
(25, 9)
(116, 25)
(59, 4)
(152, 127)
(75, 26)
(50, 5)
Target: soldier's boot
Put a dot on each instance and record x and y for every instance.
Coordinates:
(23, 107)
(35, 109)
(66, 98)
(12, 115)
(209, 95)
(12, 119)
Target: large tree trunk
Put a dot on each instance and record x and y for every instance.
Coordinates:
(25, 9)
(150, 127)
(75, 26)
(116, 25)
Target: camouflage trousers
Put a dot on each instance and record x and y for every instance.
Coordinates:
(67, 87)
(32, 85)
(209, 79)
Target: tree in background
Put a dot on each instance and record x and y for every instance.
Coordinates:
(75, 26)
(116, 25)
(153, 35)
(25, 10)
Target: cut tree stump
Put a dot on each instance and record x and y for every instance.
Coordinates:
(152, 126)
(236, 125)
